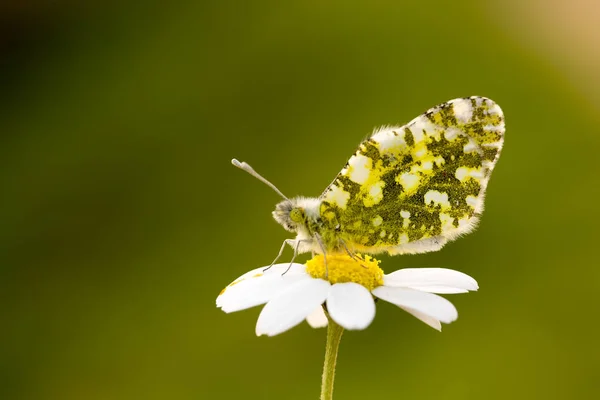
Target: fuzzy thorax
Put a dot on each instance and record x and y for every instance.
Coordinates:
(342, 268)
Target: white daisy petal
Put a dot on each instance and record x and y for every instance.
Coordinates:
(291, 306)
(351, 305)
(276, 268)
(255, 273)
(434, 280)
(282, 269)
(254, 290)
(439, 289)
(423, 302)
(317, 318)
(432, 322)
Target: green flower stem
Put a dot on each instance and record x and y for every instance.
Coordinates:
(334, 336)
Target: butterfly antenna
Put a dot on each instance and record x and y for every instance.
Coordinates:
(244, 166)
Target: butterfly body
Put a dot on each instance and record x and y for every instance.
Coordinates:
(407, 189)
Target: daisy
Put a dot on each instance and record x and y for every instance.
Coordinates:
(346, 288)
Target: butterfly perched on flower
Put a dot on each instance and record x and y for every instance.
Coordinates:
(407, 189)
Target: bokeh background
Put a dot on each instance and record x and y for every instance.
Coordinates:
(121, 217)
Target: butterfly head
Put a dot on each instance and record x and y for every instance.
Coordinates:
(290, 214)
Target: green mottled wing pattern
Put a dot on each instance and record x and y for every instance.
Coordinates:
(411, 189)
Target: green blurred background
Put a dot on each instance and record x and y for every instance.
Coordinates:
(121, 217)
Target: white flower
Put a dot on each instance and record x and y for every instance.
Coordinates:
(347, 293)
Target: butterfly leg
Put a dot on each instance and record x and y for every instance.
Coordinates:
(322, 246)
(295, 253)
(351, 253)
(286, 241)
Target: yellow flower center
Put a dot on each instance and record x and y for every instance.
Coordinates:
(363, 270)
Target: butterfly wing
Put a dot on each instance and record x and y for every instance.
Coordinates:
(413, 188)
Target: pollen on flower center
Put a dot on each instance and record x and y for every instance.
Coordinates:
(363, 270)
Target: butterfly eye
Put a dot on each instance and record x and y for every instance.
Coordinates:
(296, 215)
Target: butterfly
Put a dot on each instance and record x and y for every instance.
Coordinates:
(407, 189)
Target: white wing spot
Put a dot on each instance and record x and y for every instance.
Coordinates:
(375, 190)
(470, 146)
(463, 110)
(494, 109)
(420, 153)
(472, 201)
(447, 221)
(487, 164)
(437, 198)
(408, 181)
(494, 128)
(359, 168)
(439, 161)
(338, 196)
(388, 137)
(451, 133)
(405, 218)
(462, 173)
(374, 194)
(420, 124)
(377, 220)
(492, 145)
